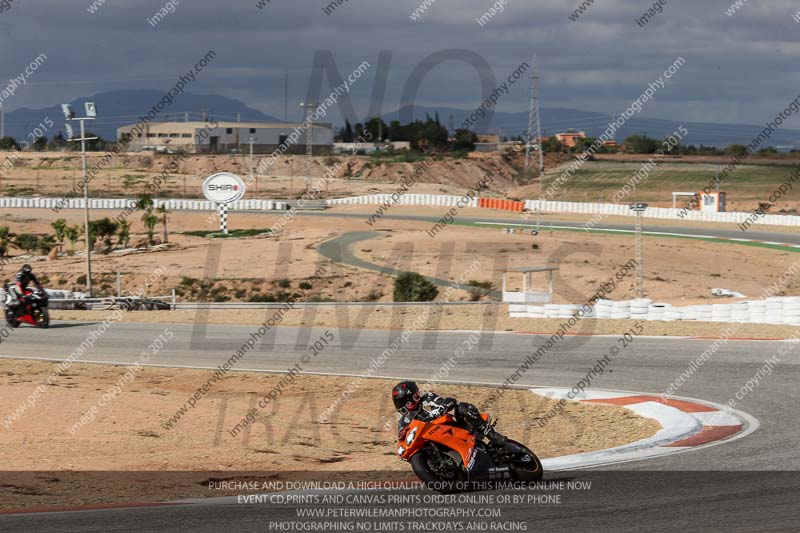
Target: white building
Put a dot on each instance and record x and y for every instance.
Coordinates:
(198, 137)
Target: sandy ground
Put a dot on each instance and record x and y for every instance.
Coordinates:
(128, 434)
(464, 317)
(679, 271)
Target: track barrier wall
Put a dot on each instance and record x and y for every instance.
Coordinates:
(602, 210)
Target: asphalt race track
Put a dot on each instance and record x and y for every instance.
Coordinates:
(749, 484)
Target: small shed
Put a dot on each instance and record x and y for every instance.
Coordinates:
(528, 295)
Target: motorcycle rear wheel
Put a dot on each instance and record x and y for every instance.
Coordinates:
(42, 318)
(424, 467)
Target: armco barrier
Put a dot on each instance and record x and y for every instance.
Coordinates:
(775, 310)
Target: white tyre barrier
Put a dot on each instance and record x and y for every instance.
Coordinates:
(536, 311)
(552, 310)
(770, 311)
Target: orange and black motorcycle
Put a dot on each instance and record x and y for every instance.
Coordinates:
(449, 458)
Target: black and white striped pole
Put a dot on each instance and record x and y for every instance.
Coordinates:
(223, 218)
(223, 189)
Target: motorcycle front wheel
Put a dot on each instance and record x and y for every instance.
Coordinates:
(438, 471)
(525, 466)
(11, 319)
(42, 318)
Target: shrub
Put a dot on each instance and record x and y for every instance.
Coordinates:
(373, 296)
(305, 285)
(284, 283)
(27, 242)
(413, 287)
(479, 289)
(261, 298)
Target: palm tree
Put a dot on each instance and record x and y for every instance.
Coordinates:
(163, 211)
(144, 202)
(46, 243)
(73, 233)
(104, 229)
(59, 227)
(5, 240)
(124, 233)
(150, 221)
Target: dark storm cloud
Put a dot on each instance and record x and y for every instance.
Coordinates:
(739, 68)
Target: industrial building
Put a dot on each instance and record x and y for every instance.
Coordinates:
(227, 137)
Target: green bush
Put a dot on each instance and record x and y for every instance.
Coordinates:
(479, 289)
(305, 285)
(413, 287)
(27, 242)
(373, 296)
(261, 298)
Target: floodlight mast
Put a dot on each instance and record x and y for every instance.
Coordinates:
(91, 114)
(309, 107)
(251, 140)
(534, 121)
(639, 208)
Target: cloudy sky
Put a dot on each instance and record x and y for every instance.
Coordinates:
(740, 68)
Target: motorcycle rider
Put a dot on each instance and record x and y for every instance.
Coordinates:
(426, 407)
(24, 277)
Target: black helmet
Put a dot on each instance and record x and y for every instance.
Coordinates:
(405, 396)
(26, 269)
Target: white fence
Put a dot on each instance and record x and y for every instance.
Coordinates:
(776, 310)
(602, 210)
(658, 212)
(129, 203)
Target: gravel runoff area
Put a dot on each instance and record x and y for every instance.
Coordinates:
(127, 450)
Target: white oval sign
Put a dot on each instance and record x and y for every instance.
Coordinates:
(223, 188)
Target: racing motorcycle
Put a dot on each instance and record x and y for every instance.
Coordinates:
(31, 310)
(449, 458)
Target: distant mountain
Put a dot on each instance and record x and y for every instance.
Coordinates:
(118, 108)
(555, 120)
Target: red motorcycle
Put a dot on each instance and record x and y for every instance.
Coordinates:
(449, 458)
(32, 309)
